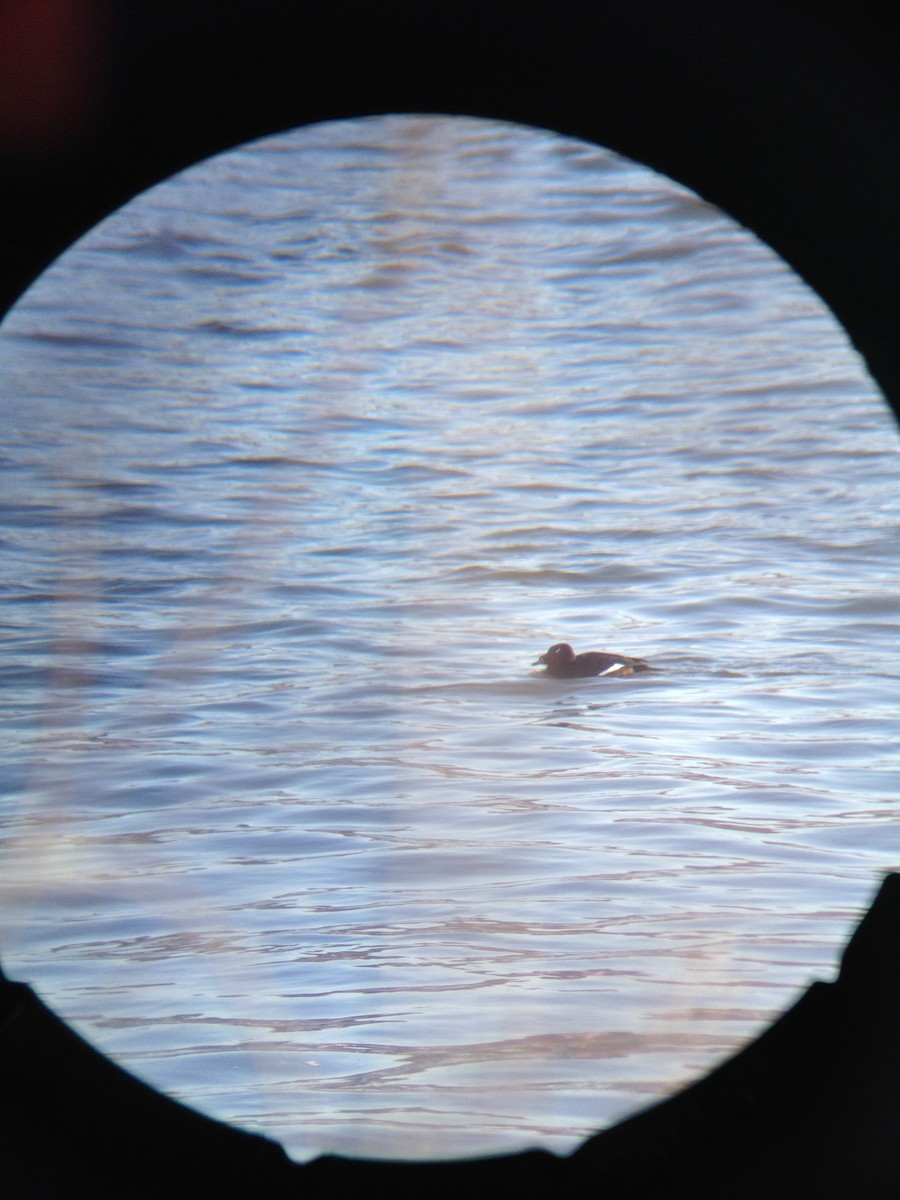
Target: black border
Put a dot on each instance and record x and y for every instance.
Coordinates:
(786, 115)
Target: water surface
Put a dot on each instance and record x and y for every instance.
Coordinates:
(309, 453)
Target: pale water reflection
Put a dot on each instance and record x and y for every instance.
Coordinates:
(309, 452)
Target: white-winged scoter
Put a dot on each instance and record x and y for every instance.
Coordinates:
(562, 662)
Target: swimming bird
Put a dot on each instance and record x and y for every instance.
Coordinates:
(562, 662)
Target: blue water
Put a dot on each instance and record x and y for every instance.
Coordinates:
(309, 453)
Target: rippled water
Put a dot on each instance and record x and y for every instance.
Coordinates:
(309, 452)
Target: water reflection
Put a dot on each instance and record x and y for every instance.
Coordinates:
(311, 450)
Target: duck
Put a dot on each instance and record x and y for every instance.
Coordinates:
(562, 662)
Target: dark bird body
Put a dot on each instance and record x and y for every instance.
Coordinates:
(562, 662)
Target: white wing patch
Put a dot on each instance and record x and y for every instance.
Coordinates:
(614, 667)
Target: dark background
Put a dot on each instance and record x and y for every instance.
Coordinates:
(787, 116)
